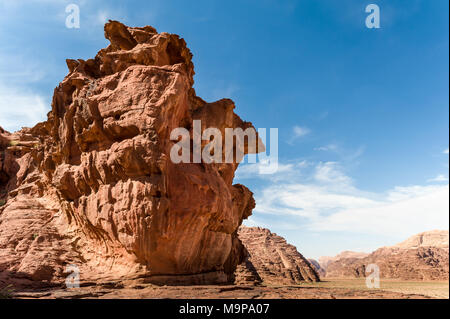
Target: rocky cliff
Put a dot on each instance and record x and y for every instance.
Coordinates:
(94, 185)
(422, 257)
(271, 260)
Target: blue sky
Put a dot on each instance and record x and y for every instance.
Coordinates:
(363, 114)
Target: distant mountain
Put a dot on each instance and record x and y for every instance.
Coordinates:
(326, 260)
(424, 256)
(434, 238)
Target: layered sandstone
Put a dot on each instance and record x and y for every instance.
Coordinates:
(271, 260)
(421, 257)
(94, 185)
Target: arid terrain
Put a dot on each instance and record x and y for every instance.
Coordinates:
(422, 257)
(434, 289)
(94, 191)
(140, 290)
(273, 269)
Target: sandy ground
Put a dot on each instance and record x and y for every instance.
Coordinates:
(435, 289)
(329, 289)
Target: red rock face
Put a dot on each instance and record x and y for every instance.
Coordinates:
(271, 260)
(424, 256)
(94, 185)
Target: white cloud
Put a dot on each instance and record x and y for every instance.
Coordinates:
(253, 221)
(284, 172)
(306, 200)
(298, 132)
(330, 173)
(446, 151)
(346, 155)
(329, 147)
(98, 17)
(20, 108)
(439, 179)
(428, 210)
(400, 193)
(102, 17)
(328, 201)
(19, 69)
(247, 171)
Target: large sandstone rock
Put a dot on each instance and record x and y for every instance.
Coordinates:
(422, 257)
(94, 185)
(271, 260)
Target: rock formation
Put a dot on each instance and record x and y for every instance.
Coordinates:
(434, 238)
(271, 260)
(324, 261)
(422, 257)
(94, 185)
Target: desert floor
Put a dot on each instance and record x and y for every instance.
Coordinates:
(435, 289)
(328, 289)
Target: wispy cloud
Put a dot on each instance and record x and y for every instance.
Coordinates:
(445, 151)
(415, 213)
(326, 148)
(20, 108)
(329, 173)
(285, 171)
(99, 15)
(20, 105)
(301, 131)
(345, 155)
(439, 179)
(328, 200)
(19, 69)
(298, 132)
(102, 17)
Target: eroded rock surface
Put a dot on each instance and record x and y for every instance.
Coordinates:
(94, 185)
(271, 260)
(424, 256)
